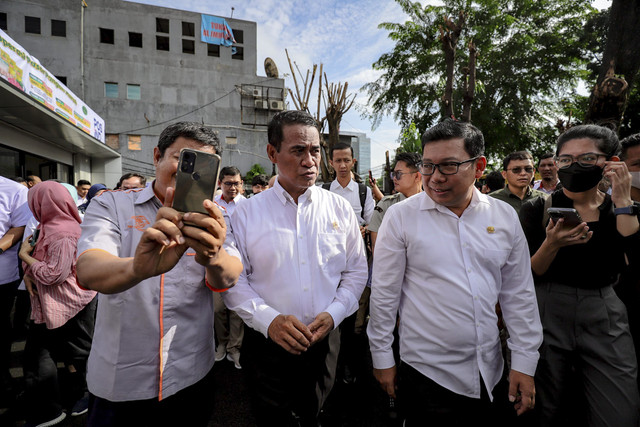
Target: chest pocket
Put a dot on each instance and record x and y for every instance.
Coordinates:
(333, 249)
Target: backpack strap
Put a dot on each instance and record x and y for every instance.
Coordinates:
(362, 189)
(326, 185)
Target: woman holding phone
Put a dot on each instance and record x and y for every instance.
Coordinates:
(587, 352)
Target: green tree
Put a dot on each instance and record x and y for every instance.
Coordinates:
(530, 59)
(410, 140)
(256, 169)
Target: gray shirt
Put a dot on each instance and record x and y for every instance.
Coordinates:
(155, 338)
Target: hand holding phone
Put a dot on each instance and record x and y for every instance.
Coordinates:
(570, 216)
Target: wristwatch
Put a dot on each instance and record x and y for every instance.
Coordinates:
(627, 210)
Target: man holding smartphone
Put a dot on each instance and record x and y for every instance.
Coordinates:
(153, 343)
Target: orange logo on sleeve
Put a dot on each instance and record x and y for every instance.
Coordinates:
(141, 222)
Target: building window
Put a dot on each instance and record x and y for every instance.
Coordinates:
(133, 91)
(112, 140)
(162, 25)
(3, 21)
(162, 43)
(134, 142)
(58, 28)
(111, 90)
(239, 53)
(188, 46)
(213, 50)
(62, 79)
(107, 36)
(188, 29)
(238, 35)
(135, 39)
(31, 25)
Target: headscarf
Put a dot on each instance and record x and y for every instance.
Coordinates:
(95, 188)
(53, 206)
(72, 190)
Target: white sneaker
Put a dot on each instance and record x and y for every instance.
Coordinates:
(221, 352)
(235, 358)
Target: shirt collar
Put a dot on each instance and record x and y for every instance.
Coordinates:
(427, 202)
(352, 186)
(147, 194)
(285, 197)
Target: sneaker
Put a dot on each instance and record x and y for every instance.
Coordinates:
(221, 353)
(235, 358)
(51, 422)
(81, 407)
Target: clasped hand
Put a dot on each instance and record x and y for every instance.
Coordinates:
(296, 337)
(165, 242)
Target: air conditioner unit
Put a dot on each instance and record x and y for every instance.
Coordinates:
(276, 105)
(260, 104)
(257, 93)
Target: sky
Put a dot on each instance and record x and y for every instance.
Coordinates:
(343, 35)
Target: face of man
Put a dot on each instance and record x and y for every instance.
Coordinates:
(633, 164)
(82, 191)
(231, 186)
(517, 175)
(133, 182)
(259, 188)
(342, 163)
(548, 170)
(452, 191)
(298, 159)
(167, 164)
(408, 179)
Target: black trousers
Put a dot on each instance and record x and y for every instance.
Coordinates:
(426, 403)
(191, 406)
(288, 389)
(7, 297)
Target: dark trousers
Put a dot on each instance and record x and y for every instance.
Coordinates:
(426, 403)
(288, 389)
(191, 406)
(588, 352)
(69, 344)
(7, 297)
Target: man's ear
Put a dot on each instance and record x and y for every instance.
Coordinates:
(156, 156)
(271, 152)
(481, 164)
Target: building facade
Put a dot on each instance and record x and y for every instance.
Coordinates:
(143, 67)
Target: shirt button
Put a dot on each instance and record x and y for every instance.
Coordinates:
(305, 289)
(468, 270)
(303, 262)
(300, 236)
(475, 298)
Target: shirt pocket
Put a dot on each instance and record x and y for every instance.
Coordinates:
(332, 252)
(493, 257)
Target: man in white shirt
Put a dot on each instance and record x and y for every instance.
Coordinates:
(548, 174)
(444, 258)
(304, 270)
(82, 189)
(229, 326)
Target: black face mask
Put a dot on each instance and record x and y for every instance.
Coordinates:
(578, 178)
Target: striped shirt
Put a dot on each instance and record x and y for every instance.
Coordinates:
(59, 298)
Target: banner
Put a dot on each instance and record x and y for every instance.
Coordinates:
(215, 30)
(25, 73)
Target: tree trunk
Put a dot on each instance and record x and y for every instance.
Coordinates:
(469, 84)
(620, 63)
(449, 38)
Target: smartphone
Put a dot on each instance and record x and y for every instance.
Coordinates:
(196, 180)
(571, 216)
(371, 180)
(34, 237)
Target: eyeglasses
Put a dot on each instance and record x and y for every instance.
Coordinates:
(398, 175)
(586, 159)
(518, 169)
(232, 184)
(446, 168)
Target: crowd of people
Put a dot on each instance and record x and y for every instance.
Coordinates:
(470, 304)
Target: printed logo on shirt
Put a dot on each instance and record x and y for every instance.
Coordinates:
(141, 222)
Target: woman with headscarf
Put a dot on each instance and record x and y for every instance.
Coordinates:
(94, 191)
(62, 313)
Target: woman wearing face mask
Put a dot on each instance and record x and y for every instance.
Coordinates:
(588, 352)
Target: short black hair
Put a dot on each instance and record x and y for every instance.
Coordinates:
(83, 182)
(275, 133)
(188, 130)
(516, 155)
(547, 155)
(453, 129)
(605, 139)
(260, 180)
(143, 180)
(410, 159)
(340, 146)
(628, 142)
(19, 179)
(229, 171)
(495, 181)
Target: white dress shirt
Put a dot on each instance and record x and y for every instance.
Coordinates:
(300, 259)
(352, 193)
(229, 206)
(445, 274)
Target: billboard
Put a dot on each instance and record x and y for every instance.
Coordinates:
(25, 73)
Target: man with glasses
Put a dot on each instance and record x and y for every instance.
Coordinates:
(228, 325)
(444, 258)
(517, 170)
